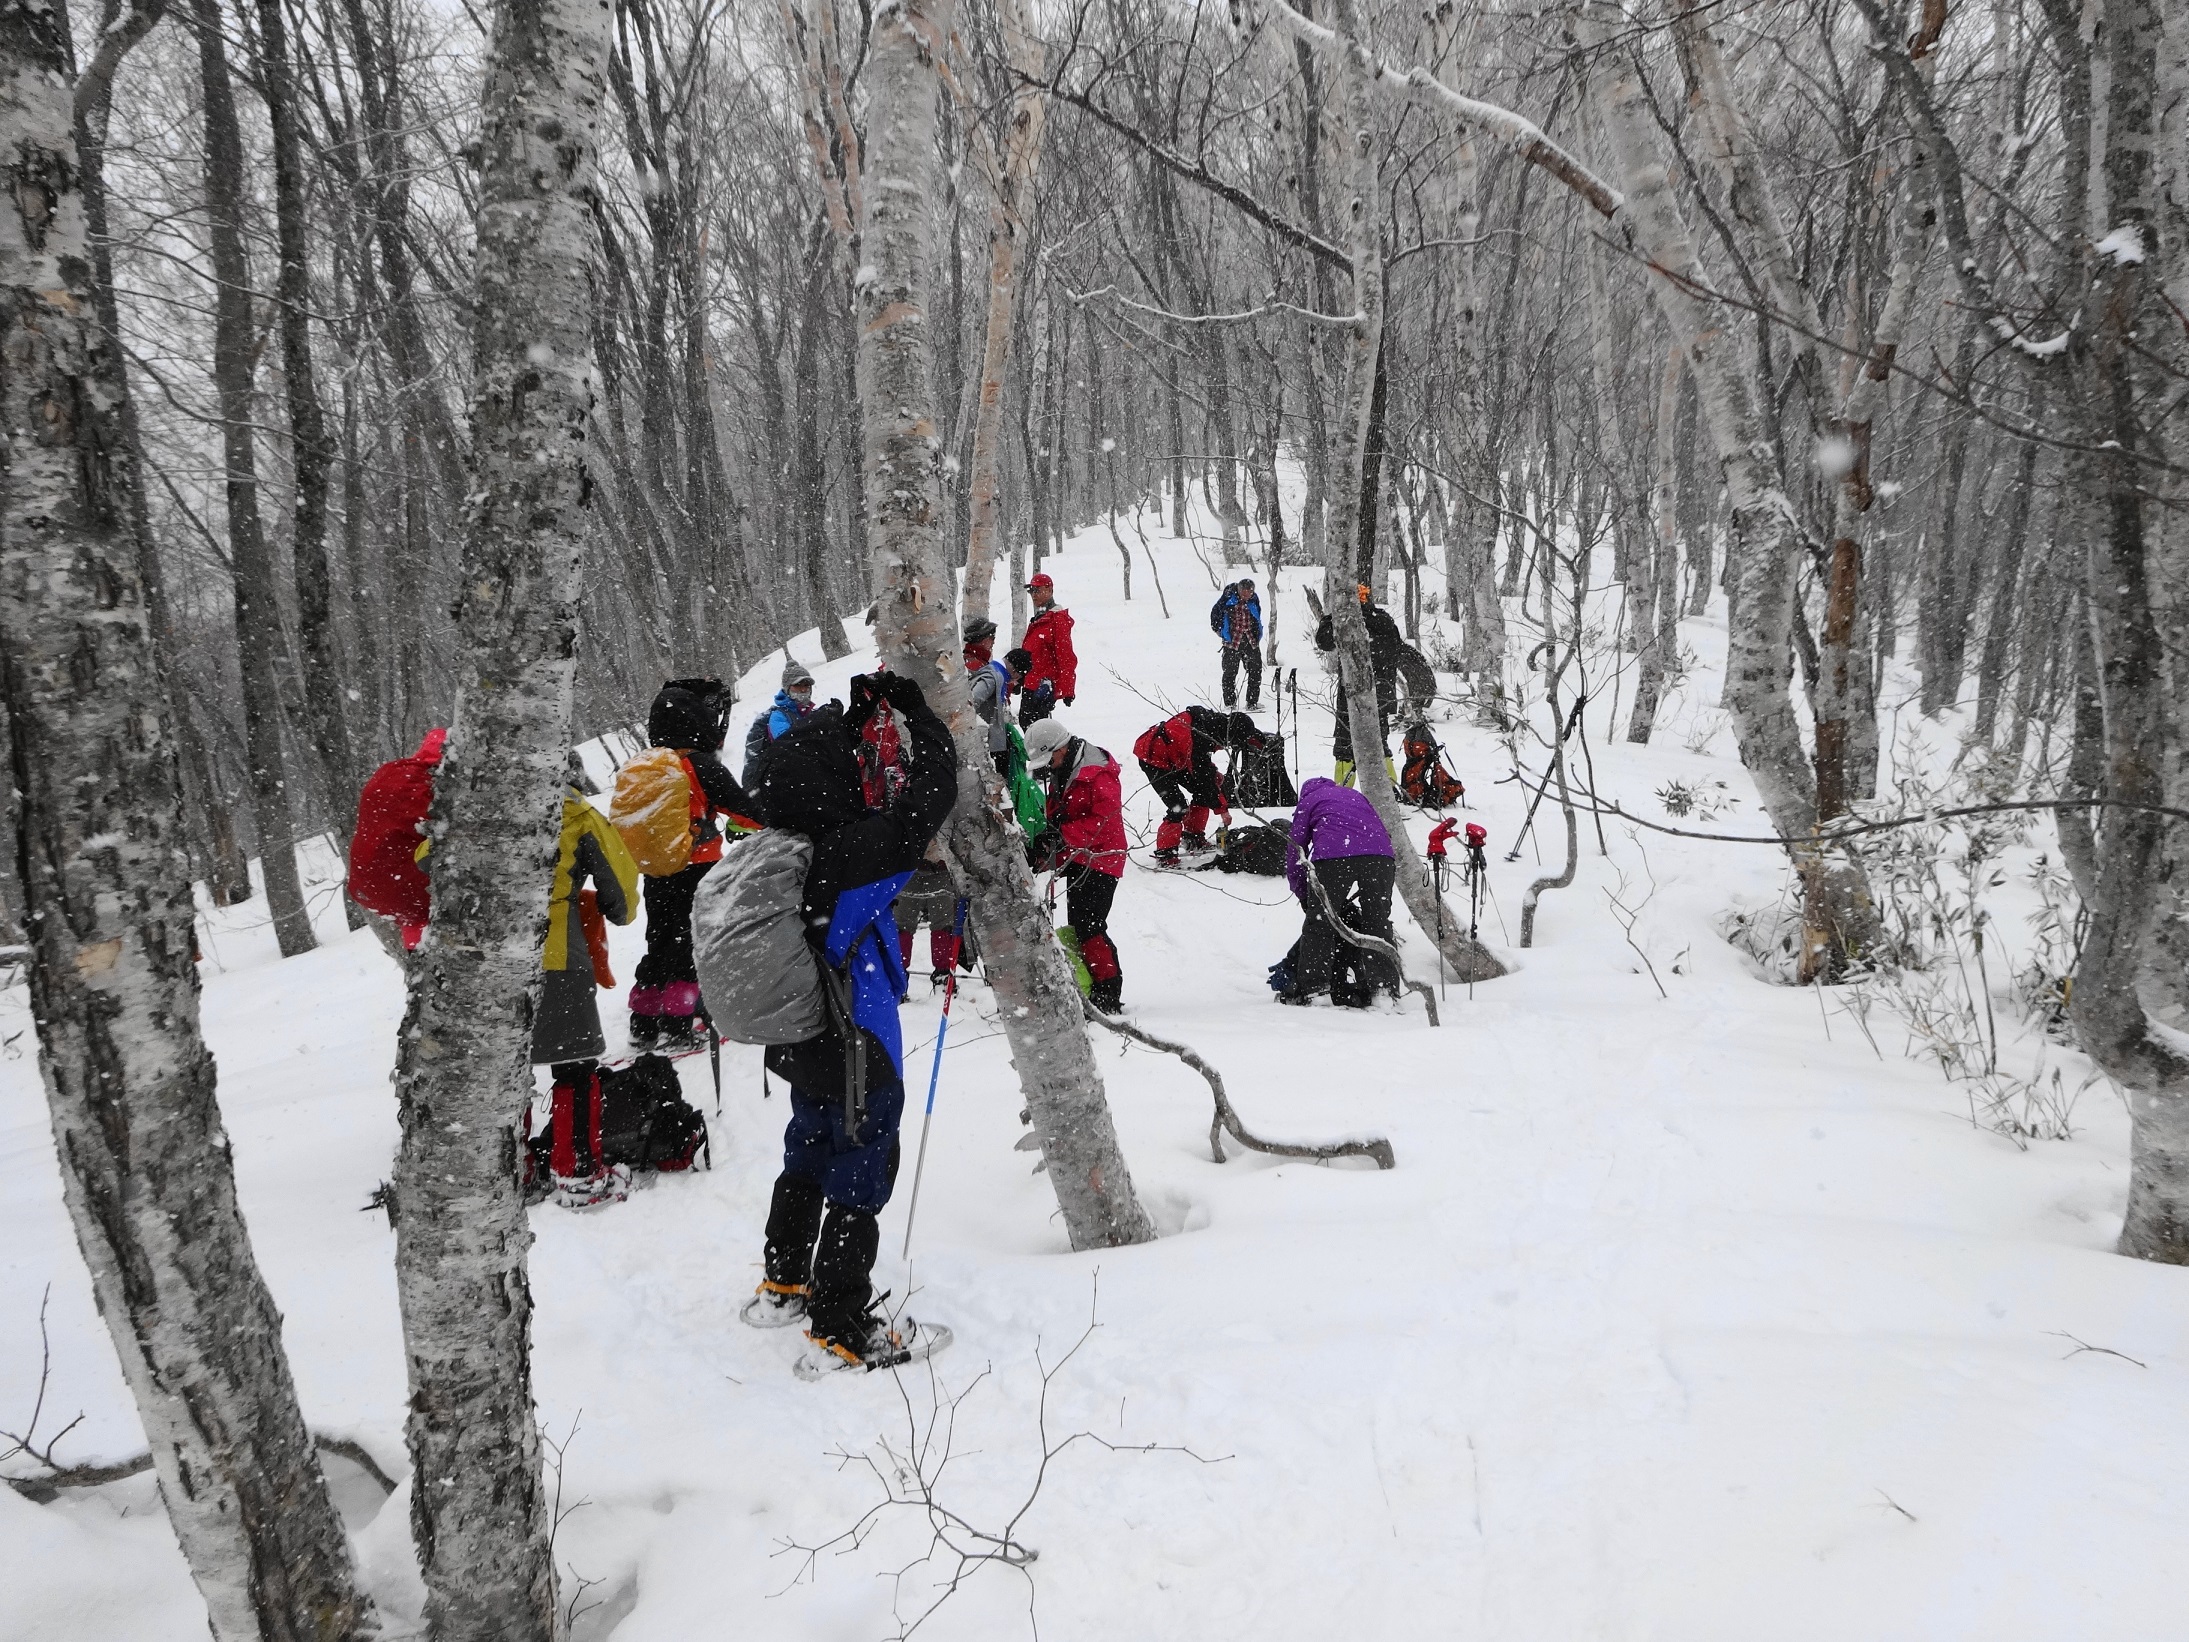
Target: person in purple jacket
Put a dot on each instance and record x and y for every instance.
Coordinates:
(1337, 835)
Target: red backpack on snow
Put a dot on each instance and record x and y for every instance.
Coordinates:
(385, 876)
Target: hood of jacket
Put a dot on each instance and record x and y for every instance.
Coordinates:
(689, 712)
(807, 779)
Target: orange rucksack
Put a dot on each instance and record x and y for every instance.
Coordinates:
(652, 809)
(1423, 779)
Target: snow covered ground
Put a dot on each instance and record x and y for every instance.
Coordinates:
(1689, 1317)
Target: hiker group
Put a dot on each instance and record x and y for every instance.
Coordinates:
(783, 906)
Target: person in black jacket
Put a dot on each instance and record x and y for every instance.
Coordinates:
(839, 1164)
(690, 715)
(1386, 645)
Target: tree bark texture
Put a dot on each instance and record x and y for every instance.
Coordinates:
(1010, 193)
(260, 641)
(478, 1514)
(1470, 960)
(1036, 996)
(311, 449)
(98, 847)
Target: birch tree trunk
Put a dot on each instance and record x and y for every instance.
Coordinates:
(2141, 726)
(145, 1167)
(1470, 960)
(259, 638)
(478, 1514)
(1010, 192)
(311, 448)
(1035, 993)
(1659, 600)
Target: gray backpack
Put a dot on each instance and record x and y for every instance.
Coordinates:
(760, 979)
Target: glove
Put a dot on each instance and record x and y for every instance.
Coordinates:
(904, 694)
(868, 692)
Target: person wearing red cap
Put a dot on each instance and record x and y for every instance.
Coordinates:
(1053, 675)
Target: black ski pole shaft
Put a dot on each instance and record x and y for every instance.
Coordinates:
(1528, 824)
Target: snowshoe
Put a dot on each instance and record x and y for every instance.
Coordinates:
(645, 1032)
(1197, 843)
(1166, 858)
(876, 1345)
(679, 1034)
(774, 1305)
(610, 1185)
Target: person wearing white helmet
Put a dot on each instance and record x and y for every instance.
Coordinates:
(1086, 841)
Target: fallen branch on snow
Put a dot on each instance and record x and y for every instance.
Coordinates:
(1227, 1117)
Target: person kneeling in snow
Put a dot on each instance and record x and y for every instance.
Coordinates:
(1337, 835)
(841, 1164)
(1086, 846)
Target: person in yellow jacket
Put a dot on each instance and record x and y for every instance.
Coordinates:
(595, 884)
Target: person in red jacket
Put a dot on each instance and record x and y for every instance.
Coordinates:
(1178, 756)
(1053, 674)
(1087, 824)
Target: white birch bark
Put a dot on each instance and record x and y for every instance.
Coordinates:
(478, 1513)
(919, 636)
(1470, 960)
(1657, 601)
(1010, 191)
(145, 1167)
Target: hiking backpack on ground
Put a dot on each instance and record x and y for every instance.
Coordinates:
(1258, 778)
(653, 806)
(385, 876)
(634, 1117)
(1423, 779)
(757, 973)
(1258, 849)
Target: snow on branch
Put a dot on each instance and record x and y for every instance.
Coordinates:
(1523, 136)
(1244, 316)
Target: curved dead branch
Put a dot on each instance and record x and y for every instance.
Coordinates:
(1227, 1116)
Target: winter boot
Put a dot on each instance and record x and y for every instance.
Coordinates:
(1197, 843)
(645, 1033)
(775, 1305)
(840, 1296)
(939, 979)
(1166, 858)
(870, 1341)
(677, 1033)
(794, 1221)
(1108, 994)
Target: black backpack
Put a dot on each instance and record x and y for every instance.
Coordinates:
(1216, 610)
(644, 1123)
(1258, 849)
(1258, 778)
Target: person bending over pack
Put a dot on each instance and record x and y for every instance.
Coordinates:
(1237, 620)
(1178, 756)
(1337, 835)
(839, 1168)
(1385, 646)
(792, 703)
(931, 898)
(1052, 665)
(1085, 845)
(689, 716)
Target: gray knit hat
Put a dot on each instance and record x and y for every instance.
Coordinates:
(794, 673)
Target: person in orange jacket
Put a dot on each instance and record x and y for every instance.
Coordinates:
(1052, 676)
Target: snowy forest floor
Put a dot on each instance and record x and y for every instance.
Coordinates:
(1691, 1317)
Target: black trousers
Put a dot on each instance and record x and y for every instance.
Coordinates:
(1250, 657)
(669, 927)
(1341, 740)
(1360, 891)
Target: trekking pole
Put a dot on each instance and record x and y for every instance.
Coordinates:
(1573, 718)
(949, 991)
(1478, 873)
(1439, 836)
(714, 1063)
(1295, 682)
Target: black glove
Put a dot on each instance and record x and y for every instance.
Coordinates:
(868, 692)
(904, 694)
